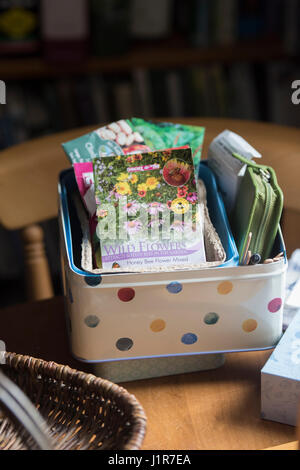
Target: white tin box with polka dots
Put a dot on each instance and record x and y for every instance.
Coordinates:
(114, 317)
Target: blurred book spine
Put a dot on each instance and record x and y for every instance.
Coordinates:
(84, 102)
(226, 22)
(65, 30)
(109, 21)
(292, 27)
(251, 19)
(174, 94)
(274, 18)
(19, 26)
(181, 17)
(17, 112)
(159, 92)
(198, 96)
(243, 102)
(143, 95)
(219, 90)
(200, 21)
(150, 19)
(123, 99)
(37, 114)
(51, 100)
(66, 103)
(98, 87)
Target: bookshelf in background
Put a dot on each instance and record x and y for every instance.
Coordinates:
(204, 57)
(168, 54)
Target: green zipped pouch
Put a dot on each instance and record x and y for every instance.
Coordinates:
(258, 209)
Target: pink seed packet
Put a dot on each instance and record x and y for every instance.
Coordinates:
(85, 182)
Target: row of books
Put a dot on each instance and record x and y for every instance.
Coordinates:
(244, 91)
(219, 22)
(71, 29)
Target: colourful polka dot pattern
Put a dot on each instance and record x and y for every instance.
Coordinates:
(126, 294)
(174, 287)
(225, 287)
(189, 338)
(93, 281)
(249, 325)
(124, 344)
(275, 305)
(211, 318)
(150, 324)
(158, 325)
(92, 321)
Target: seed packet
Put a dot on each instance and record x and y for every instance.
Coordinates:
(85, 181)
(121, 138)
(117, 138)
(229, 170)
(147, 209)
(134, 135)
(158, 135)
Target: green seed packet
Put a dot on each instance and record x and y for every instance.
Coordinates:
(159, 135)
(134, 135)
(147, 209)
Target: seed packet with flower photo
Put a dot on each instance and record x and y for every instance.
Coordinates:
(147, 209)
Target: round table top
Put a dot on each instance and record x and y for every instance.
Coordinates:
(29, 171)
(213, 409)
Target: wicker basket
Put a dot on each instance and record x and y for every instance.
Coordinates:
(82, 411)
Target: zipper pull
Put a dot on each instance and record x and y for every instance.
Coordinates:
(265, 174)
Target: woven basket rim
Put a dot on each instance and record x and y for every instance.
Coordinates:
(87, 381)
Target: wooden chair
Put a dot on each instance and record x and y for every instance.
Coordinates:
(29, 174)
(28, 195)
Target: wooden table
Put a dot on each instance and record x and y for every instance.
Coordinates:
(207, 410)
(218, 409)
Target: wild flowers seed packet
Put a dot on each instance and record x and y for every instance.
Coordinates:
(147, 209)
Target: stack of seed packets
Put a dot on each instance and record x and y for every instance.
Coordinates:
(147, 209)
(134, 135)
(122, 138)
(127, 136)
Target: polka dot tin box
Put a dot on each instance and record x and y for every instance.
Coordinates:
(172, 314)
